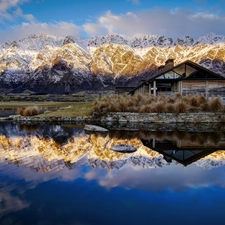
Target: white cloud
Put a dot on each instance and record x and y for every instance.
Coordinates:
(94, 29)
(9, 10)
(29, 17)
(159, 21)
(7, 4)
(59, 29)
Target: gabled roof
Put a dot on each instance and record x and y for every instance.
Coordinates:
(191, 64)
(190, 76)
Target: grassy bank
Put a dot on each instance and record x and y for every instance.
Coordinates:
(16, 104)
(115, 103)
(72, 110)
(57, 109)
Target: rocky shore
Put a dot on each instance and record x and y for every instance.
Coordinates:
(125, 117)
(139, 121)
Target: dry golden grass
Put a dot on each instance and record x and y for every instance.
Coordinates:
(178, 95)
(194, 101)
(181, 107)
(29, 111)
(201, 100)
(205, 107)
(170, 108)
(171, 100)
(216, 104)
(159, 107)
(20, 111)
(143, 109)
(159, 104)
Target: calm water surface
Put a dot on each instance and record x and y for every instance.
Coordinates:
(53, 174)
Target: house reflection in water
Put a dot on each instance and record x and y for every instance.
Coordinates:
(188, 149)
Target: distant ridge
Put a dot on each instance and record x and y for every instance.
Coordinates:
(46, 63)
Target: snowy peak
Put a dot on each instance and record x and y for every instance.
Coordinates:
(184, 41)
(68, 40)
(111, 38)
(211, 39)
(34, 43)
(151, 40)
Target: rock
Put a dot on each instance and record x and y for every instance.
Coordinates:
(124, 148)
(14, 116)
(47, 111)
(94, 128)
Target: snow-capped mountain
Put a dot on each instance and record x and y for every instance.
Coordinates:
(46, 63)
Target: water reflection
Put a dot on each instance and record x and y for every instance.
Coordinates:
(45, 148)
(61, 175)
(186, 147)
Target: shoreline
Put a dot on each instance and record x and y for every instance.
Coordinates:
(127, 117)
(193, 122)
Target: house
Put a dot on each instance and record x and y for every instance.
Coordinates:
(122, 90)
(185, 78)
(186, 150)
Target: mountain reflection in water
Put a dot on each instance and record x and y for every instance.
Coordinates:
(53, 174)
(44, 148)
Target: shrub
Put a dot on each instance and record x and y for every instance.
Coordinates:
(123, 105)
(139, 97)
(171, 100)
(148, 109)
(205, 107)
(216, 104)
(103, 105)
(162, 97)
(96, 102)
(96, 108)
(29, 111)
(186, 99)
(201, 100)
(20, 111)
(159, 107)
(181, 107)
(143, 109)
(193, 101)
(130, 102)
(170, 108)
(117, 107)
(178, 95)
(149, 103)
(34, 110)
(111, 108)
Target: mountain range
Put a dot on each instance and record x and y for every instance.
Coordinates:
(50, 64)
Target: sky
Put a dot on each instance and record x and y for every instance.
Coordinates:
(128, 18)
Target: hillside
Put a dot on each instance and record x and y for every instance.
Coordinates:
(46, 63)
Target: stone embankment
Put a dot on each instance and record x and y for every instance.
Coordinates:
(125, 117)
(193, 122)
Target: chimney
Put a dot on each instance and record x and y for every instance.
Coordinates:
(160, 69)
(169, 64)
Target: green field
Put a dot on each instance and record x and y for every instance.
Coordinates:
(57, 109)
(72, 110)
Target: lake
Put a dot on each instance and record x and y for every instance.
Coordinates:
(58, 174)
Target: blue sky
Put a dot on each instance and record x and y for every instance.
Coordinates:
(129, 18)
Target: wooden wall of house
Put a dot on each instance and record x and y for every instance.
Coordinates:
(122, 90)
(215, 88)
